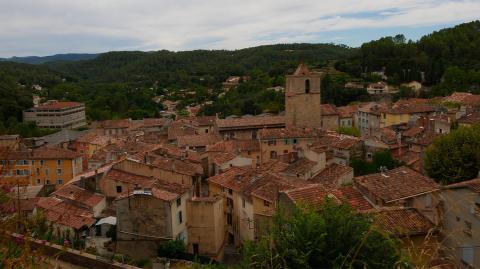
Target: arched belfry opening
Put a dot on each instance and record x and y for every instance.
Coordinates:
(307, 86)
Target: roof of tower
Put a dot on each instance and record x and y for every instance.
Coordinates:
(302, 70)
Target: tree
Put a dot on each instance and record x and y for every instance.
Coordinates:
(333, 237)
(454, 157)
(353, 131)
(379, 159)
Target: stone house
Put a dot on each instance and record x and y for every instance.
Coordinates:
(149, 216)
(245, 128)
(461, 221)
(330, 117)
(206, 226)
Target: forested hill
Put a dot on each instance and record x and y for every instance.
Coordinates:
(51, 58)
(182, 69)
(449, 58)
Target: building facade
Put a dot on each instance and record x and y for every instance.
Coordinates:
(57, 115)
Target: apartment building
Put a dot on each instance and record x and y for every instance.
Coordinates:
(57, 115)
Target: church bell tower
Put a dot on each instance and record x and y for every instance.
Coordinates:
(302, 98)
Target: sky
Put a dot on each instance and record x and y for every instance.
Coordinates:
(46, 27)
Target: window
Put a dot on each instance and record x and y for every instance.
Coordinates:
(33, 162)
(230, 191)
(48, 181)
(179, 201)
(243, 202)
(38, 171)
(42, 162)
(273, 154)
(180, 217)
(206, 131)
(468, 228)
(294, 141)
(119, 189)
(428, 200)
(287, 141)
(307, 86)
(59, 171)
(59, 181)
(285, 151)
(59, 162)
(38, 181)
(266, 203)
(46, 171)
(467, 255)
(272, 142)
(195, 249)
(229, 219)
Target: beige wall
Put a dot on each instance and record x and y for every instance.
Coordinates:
(330, 122)
(303, 109)
(458, 211)
(206, 227)
(280, 147)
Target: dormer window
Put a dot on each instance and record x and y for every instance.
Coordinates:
(307, 86)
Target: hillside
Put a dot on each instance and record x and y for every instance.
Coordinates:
(449, 59)
(51, 58)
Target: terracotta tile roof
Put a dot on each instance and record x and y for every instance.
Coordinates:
(300, 166)
(168, 191)
(235, 178)
(58, 105)
(413, 131)
(153, 122)
(408, 157)
(122, 176)
(313, 195)
(223, 157)
(200, 120)
(331, 174)
(336, 141)
(404, 221)
(75, 193)
(40, 154)
(180, 129)
(273, 166)
(472, 118)
(115, 124)
(410, 108)
(234, 146)
(373, 108)
(286, 133)
(197, 140)
(353, 197)
(185, 167)
(347, 111)
(251, 122)
(328, 109)
(458, 97)
(63, 213)
(94, 138)
(388, 135)
(395, 184)
(171, 151)
(268, 186)
(302, 70)
(473, 184)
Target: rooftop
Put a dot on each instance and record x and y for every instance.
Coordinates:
(331, 174)
(473, 185)
(53, 104)
(404, 221)
(197, 140)
(286, 133)
(251, 122)
(75, 193)
(395, 184)
(472, 118)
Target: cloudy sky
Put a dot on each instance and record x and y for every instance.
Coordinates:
(45, 27)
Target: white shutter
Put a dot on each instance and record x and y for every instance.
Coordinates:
(467, 255)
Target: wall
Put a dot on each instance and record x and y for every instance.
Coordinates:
(142, 222)
(303, 109)
(179, 229)
(206, 227)
(458, 205)
(330, 122)
(281, 147)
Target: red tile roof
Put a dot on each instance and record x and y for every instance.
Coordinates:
(472, 118)
(313, 195)
(328, 109)
(286, 133)
(94, 139)
(223, 157)
(234, 146)
(395, 184)
(122, 176)
(58, 105)
(331, 174)
(347, 111)
(75, 193)
(300, 166)
(235, 178)
(40, 154)
(197, 140)
(251, 122)
(116, 124)
(185, 167)
(353, 197)
(180, 129)
(404, 221)
(64, 213)
(473, 184)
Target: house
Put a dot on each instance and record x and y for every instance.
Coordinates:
(247, 127)
(72, 211)
(330, 117)
(114, 128)
(404, 111)
(242, 150)
(10, 142)
(197, 142)
(146, 217)
(277, 142)
(401, 186)
(377, 88)
(223, 161)
(42, 166)
(416, 232)
(57, 115)
(333, 176)
(368, 118)
(88, 144)
(346, 115)
(340, 148)
(461, 221)
(206, 226)
(469, 119)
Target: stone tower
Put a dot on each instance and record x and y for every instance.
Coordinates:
(302, 98)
